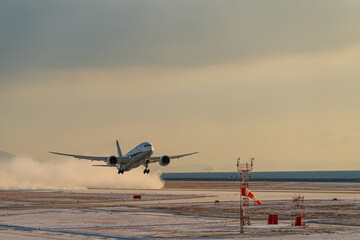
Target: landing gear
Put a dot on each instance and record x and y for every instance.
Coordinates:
(146, 170)
(121, 171)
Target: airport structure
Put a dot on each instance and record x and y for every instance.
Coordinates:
(244, 169)
(298, 209)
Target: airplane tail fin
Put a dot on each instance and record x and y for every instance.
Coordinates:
(118, 149)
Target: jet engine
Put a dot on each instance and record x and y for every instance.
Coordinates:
(164, 160)
(111, 161)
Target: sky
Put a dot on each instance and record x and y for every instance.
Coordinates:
(275, 80)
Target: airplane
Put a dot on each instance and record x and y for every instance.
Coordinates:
(140, 155)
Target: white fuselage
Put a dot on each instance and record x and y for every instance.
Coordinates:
(138, 156)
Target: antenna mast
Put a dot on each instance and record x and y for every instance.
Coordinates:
(244, 169)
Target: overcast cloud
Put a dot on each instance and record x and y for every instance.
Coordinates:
(106, 34)
(277, 80)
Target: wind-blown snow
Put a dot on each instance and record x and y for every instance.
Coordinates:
(27, 173)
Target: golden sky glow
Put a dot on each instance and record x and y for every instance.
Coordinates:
(277, 80)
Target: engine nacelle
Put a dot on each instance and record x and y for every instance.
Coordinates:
(164, 160)
(111, 161)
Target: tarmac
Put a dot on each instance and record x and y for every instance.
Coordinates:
(181, 210)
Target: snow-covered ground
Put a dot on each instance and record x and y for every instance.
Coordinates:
(173, 214)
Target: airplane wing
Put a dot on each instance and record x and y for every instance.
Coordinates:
(82, 156)
(156, 159)
(121, 160)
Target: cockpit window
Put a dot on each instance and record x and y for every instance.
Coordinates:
(147, 145)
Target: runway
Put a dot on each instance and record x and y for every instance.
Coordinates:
(181, 210)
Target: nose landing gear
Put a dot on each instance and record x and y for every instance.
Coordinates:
(147, 170)
(121, 171)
